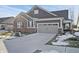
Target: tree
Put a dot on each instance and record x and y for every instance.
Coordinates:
(78, 22)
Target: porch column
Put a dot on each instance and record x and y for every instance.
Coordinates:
(61, 24)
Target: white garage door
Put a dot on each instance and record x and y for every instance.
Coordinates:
(47, 28)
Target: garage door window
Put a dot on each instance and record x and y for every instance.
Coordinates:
(52, 24)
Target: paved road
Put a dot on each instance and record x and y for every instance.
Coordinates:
(29, 43)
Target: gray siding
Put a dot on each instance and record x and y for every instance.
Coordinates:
(42, 13)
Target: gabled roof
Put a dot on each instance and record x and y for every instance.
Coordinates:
(46, 14)
(42, 13)
(44, 10)
(19, 17)
(24, 16)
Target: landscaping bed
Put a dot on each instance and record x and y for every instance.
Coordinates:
(5, 35)
(27, 33)
(71, 41)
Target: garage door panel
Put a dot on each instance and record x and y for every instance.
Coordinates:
(47, 28)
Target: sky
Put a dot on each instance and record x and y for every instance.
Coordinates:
(13, 10)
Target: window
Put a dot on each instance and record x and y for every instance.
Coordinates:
(30, 23)
(44, 24)
(55, 24)
(36, 11)
(19, 24)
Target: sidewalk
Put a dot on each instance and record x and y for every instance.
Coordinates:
(2, 47)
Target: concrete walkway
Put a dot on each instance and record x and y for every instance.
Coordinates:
(2, 47)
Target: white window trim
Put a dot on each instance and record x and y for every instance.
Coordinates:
(30, 24)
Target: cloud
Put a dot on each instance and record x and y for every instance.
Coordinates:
(6, 11)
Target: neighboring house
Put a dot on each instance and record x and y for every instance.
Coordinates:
(40, 20)
(6, 23)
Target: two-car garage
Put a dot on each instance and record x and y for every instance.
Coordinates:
(47, 27)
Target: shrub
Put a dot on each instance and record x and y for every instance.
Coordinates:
(18, 34)
(72, 39)
(74, 44)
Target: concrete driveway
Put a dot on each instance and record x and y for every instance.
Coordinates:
(29, 43)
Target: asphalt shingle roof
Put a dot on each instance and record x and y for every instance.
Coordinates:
(61, 13)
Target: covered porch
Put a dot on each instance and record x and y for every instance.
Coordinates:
(67, 25)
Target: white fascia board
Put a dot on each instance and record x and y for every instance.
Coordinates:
(60, 18)
(67, 21)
